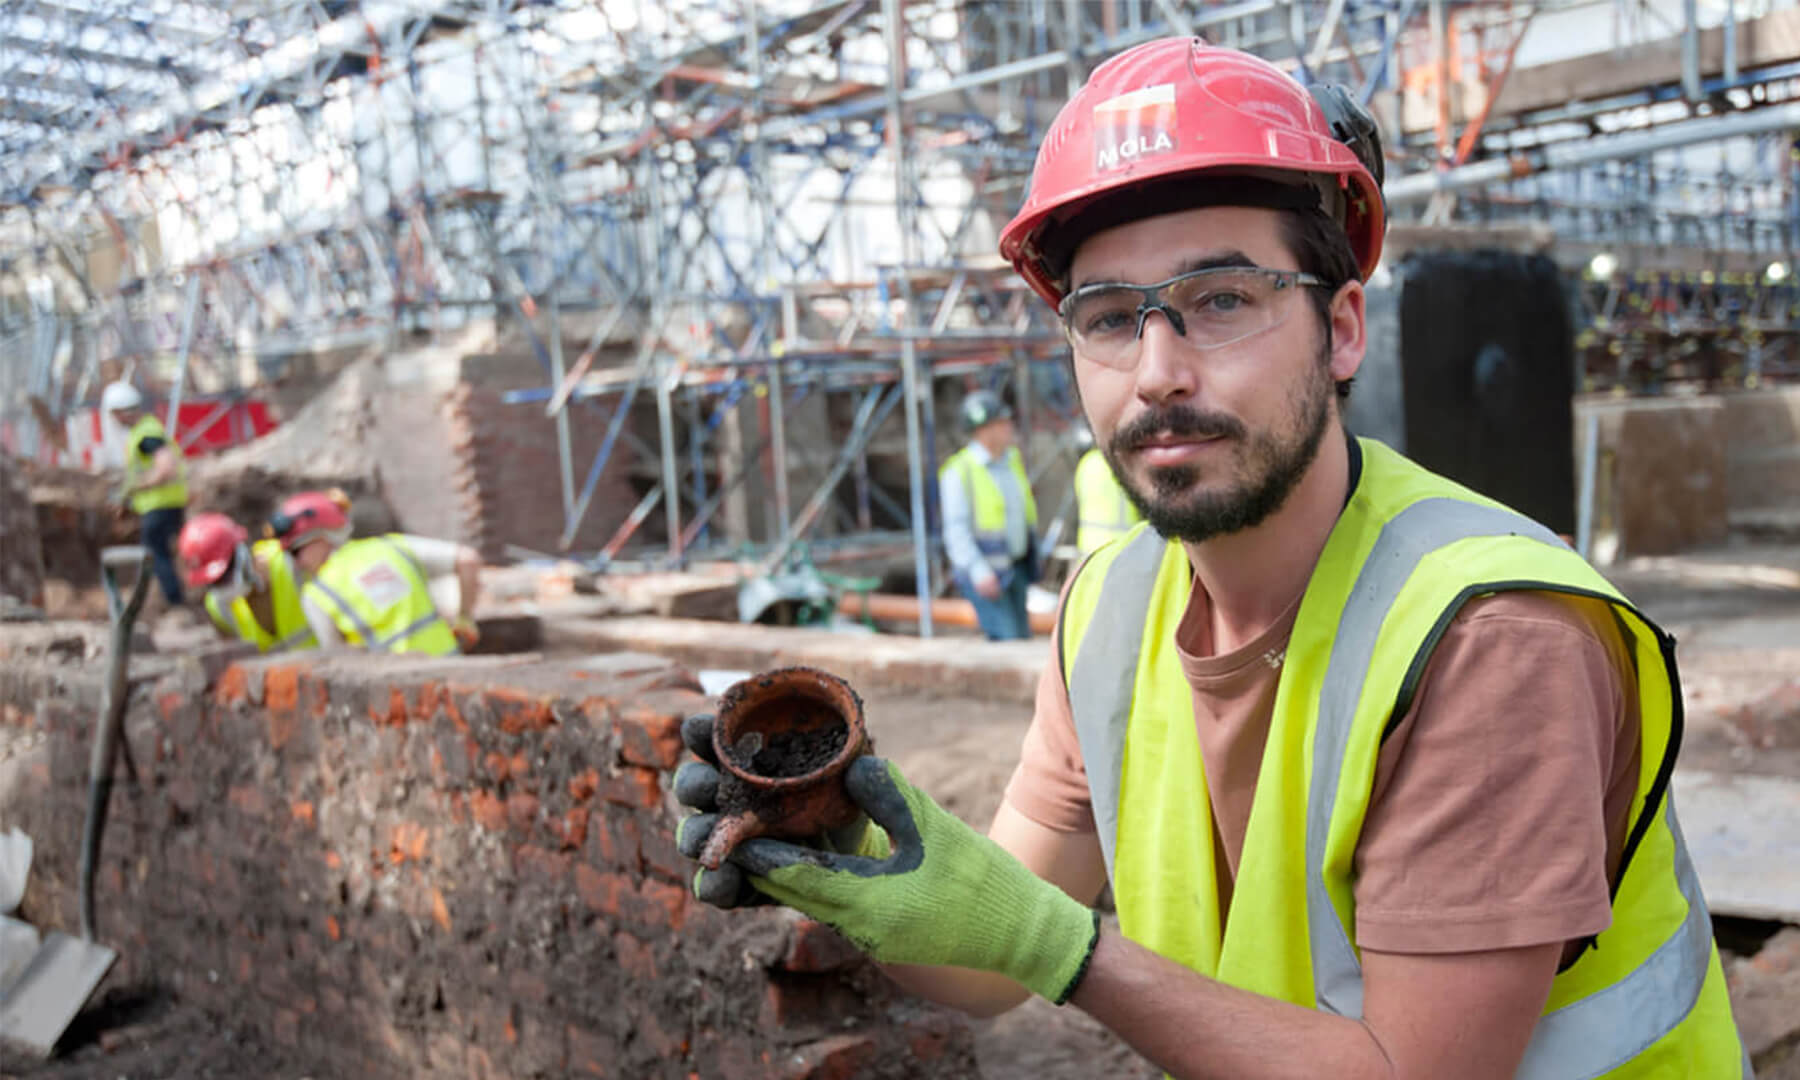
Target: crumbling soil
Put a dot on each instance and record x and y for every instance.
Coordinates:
(796, 752)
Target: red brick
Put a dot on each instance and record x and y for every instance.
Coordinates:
(440, 911)
(840, 1057)
(814, 947)
(522, 810)
(519, 767)
(649, 737)
(661, 857)
(489, 811)
(665, 902)
(233, 686)
(634, 957)
(520, 711)
(248, 798)
(605, 893)
(633, 786)
(617, 840)
(591, 1053)
(663, 1043)
(573, 828)
(431, 697)
(396, 712)
(332, 929)
(583, 786)
(496, 765)
(281, 688)
(928, 1039)
(315, 697)
(408, 841)
(549, 868)
(303, 813)
(282, 725)
(170, 704)
(287, 1027)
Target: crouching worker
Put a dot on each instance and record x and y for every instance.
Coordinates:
(252, 591)
(374, 593)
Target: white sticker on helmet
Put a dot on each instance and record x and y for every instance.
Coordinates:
(1134, 126)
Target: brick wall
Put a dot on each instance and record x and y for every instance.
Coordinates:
(21, 559)
(509, 464)
(400, 868)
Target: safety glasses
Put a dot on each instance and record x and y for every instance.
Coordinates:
(1208, 308)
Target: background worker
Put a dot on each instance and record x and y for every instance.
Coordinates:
(155, 485)
(1103, 511)
(990, 518)
(375, 593)
(1377, 768)
(252, 589)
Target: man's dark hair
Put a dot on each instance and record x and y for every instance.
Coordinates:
(1321, 248)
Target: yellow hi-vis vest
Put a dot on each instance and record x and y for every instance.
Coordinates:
(1101, 507)
(291, 631)
(162, 496)
(987, 506)
(1648, 1000)
(380, 598)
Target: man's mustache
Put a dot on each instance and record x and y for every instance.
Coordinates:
(1175, 421)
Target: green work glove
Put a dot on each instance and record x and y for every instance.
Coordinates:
(697, 788)
(946, 895)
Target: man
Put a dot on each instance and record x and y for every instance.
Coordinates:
(1377, 768)
(1102, 509)
(990, 519)
(374, 593)
(155, 481)
(252, 590)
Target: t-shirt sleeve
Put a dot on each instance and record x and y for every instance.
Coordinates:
(1049, 785)
(1494, 797)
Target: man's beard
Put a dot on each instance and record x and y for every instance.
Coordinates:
(1275, 463)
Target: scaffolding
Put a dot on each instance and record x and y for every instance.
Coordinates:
(752, 207)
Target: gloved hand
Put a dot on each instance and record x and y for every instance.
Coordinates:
(697, 788)
(467, 633)
(946, 895)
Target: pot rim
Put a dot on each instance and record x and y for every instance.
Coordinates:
(799, 681)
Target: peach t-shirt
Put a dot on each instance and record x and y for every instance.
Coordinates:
(1499, 805)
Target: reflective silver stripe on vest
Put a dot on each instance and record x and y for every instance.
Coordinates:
(1102, 674)
(1585, 1038)
(424, 581)
(1413, 533)
(1609, 1027)
(362, 628)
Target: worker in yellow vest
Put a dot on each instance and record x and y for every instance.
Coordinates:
(252, 589)
(155, 485)
(1102, 509)
(990, 518)
(374, 593)
(1377, 768)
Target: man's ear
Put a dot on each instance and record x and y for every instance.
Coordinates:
(1349, 330)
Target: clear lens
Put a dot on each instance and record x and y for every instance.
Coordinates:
(1209, 308)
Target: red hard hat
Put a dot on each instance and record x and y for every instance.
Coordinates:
(205, 547)
(308, 515)
(1177, 106)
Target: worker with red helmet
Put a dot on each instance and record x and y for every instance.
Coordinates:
(252, 589)
(1376, 767)
(374, 593)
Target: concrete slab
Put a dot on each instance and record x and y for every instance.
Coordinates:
(1744, 835)
(963, 667)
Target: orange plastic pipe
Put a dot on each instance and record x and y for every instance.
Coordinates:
(949, 610)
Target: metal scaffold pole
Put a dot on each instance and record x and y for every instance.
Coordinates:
(904, 194)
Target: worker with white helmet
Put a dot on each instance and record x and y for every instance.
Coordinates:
(155, 485)
(990, 518)
(1377, 768)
